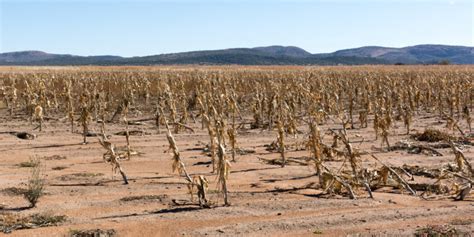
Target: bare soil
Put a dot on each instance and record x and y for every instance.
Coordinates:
(266, 200)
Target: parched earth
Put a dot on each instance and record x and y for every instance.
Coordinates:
(266, 200)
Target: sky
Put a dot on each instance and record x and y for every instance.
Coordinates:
(148, 27)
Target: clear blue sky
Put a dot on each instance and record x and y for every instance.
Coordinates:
(145, 27)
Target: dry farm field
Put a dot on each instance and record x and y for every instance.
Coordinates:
(236, 151)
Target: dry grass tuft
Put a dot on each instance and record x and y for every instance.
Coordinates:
(93, 233)
(14, 221)
(54, 157)
(79, 176)
(437, 230)
(29, 164)
(160, 198)
(13, 191)
(35, 188)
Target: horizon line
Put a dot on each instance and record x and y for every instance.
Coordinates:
(216, 49)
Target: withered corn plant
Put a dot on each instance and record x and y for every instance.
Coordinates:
(200, 182)
(126, 104)
(111, 157)
(461, 161)
(315, 147)
(85, 118)
(223, 165)
(70, 103)
(281, 142)
(38, 116)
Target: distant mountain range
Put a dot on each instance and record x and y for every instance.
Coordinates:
(271, 55)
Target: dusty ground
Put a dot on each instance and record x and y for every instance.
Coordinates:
(267, 200)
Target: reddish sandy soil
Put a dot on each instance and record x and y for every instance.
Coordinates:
(267, 200)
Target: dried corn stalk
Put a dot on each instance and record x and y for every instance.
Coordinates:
(38, 116)
(178, 164)
(281, 142)
(200, 182)
(223, 167)
(127, 133)
(111, 157)
(460, 159)
(85, 117)
(213, 141)
(202, 185)
(314, 144)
